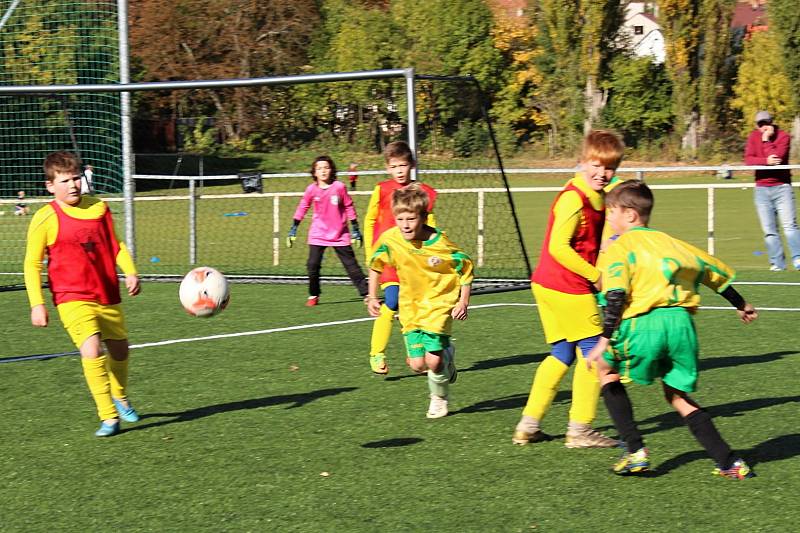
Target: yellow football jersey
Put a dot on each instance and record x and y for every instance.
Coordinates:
(431, 275)
(656, 270)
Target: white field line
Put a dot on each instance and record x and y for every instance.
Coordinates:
(311, 326)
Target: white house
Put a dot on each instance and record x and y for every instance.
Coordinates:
(643, 30)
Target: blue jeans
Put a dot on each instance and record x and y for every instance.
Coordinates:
(773, 204)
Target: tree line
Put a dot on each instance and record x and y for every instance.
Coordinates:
(561, 68)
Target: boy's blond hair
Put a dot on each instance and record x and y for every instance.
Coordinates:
(411, 199)
(63, 161)
(604, 146)
(398, 150)
(632, 194)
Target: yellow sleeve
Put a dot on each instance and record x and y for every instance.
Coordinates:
(124, 259)
(369, 222)
(464, 267)
(566, 217)
(717, 276)
(381, 257)
(42, 231)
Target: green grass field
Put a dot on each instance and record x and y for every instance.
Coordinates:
(266, 428)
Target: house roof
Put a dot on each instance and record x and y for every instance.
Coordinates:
(744, 14)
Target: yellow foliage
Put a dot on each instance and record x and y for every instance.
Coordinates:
(762, 82)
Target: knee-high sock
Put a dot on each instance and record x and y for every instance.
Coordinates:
(545, 385)
(94, 370)
(439, 383)
(381, 331)
(621, 411)
(585, 393)
(704, 430)
(117, 376)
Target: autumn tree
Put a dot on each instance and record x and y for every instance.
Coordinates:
(754, 90)
(206, 39)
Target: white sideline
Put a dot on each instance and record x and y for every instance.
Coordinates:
(308, 326)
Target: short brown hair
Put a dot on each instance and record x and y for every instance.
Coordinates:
(632, 194)
(62, 161)
(399, 150)
(411, 199)
(604, 146)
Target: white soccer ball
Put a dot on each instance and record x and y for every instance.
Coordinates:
(204, 292)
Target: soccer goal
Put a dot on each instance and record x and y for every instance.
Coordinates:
(176, 221)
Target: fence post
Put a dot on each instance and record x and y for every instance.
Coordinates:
(640, 175)
(276, 230)
(481, 204)
(711, 220)
(192, 221)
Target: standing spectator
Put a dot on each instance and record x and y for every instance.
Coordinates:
(86, 180)
(769, 145)
(353, 175)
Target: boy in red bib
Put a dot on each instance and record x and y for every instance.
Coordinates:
(83, 251)
(564, 284)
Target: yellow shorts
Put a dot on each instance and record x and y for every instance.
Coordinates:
(84, 319)
(569, 317)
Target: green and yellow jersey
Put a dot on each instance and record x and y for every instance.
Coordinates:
(656, 270)
(431, 275)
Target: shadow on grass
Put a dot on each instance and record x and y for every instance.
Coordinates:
(777, 449)
(671, 419)
(392, 443)
(737, 360)
(497, 362)
(295, 400)
(508, 402)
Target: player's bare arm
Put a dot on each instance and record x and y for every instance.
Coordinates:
(373, 302)
(460, 310)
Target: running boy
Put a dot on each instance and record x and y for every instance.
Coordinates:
(436, 277)
(379, 218)
(650, 285)
(564, 284)
(82, 254)
(332, 207)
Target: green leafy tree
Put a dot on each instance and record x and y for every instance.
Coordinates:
(601, 21)
(558, 62)
(640, 105)
(448, 37)
(697, 44)
(784, 19)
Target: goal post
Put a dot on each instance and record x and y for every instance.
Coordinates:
(216, 227)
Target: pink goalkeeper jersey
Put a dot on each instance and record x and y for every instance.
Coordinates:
(333, 207)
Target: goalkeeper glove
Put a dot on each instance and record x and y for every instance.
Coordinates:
(356, 239)
(292, 236)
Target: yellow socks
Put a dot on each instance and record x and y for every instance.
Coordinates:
(381, 331)
(94, 370)
(117, 376)
(585, 393)
(545, 385)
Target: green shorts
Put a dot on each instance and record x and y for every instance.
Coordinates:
(419, 342)
(659, 344)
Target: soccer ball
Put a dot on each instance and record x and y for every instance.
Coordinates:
(204, 292)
